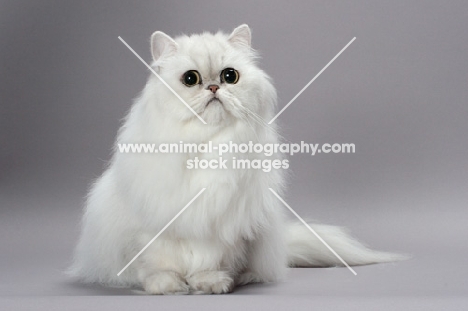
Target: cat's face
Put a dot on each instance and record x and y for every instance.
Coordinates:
(215, 75)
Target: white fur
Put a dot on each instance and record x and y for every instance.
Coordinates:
(235, 232)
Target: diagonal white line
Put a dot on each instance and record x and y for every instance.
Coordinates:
(164, 82)
(310, 82)
(313, 231)
(162, 230)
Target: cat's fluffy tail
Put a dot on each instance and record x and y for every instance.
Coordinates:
(306, 250)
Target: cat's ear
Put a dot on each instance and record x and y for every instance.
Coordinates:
(162, 45)
(241, 36)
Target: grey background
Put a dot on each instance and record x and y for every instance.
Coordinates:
(399, 92)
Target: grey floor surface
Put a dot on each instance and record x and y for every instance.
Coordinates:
(36, 245)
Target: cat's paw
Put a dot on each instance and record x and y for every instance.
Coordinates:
(211, 282)
(247, 278)
(165, 282)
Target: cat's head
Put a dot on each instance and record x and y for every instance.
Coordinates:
(215, 74)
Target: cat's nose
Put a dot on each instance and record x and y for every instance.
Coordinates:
(213, 88)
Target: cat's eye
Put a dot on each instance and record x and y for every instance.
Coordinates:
(191, 78)
(229, 75)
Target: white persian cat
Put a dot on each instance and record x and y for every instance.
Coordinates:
(235, 232)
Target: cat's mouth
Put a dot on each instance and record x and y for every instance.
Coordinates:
(214, 100)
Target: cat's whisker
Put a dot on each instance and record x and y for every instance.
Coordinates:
(246, 119)
(259, 120)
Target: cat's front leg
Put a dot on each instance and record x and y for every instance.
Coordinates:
(211, 282)
(181, 266)
(211, 266)
(165, 282)
(160, 268)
